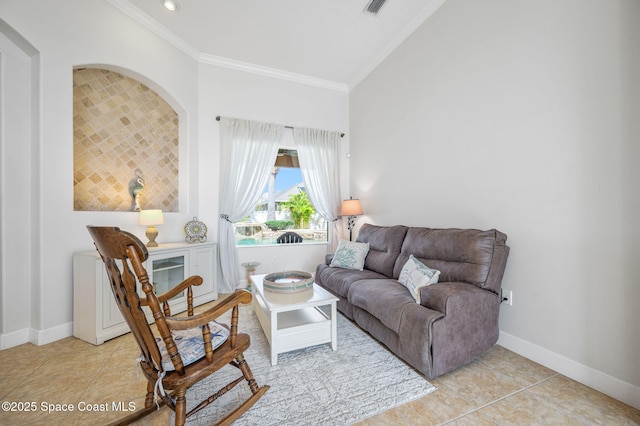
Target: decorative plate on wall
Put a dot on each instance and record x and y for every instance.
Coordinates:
(195, 231)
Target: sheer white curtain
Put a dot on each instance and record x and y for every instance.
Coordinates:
(248, 151)
(318, 153)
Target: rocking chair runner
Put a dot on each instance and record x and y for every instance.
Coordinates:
(120, 250)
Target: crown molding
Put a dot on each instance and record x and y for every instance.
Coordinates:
(163, 32)
(151, 24)
(271, 72)
(415, 23)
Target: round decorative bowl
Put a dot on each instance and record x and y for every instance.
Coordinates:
(288, 282)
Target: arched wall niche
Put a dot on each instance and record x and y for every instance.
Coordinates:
(126, 150)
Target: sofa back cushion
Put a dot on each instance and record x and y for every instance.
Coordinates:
(384, 247)
(465, 255)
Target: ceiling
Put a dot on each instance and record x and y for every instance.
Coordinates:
(330, 43)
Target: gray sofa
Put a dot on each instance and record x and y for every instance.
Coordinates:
(457, 318)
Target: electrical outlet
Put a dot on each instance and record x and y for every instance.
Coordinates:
(507, 297)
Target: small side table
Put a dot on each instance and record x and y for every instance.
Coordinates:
(291, 325)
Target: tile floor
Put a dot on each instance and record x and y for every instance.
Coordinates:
(500, 388)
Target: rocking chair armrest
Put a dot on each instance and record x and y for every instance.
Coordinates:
(191, 281)
(229, 302)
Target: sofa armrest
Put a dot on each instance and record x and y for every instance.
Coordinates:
(438, 296)
(469, 326)
(328, 258)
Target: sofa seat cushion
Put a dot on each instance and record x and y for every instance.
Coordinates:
(384, 299)
(338, 280)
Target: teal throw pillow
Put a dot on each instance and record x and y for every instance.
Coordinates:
(350, 255)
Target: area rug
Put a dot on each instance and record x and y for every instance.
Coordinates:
(313, 386)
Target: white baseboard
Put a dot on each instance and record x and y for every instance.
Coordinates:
(37, 337)
(609, 385)
(42, 337)
(15, 338)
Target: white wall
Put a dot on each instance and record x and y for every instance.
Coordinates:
(519, 116)
(81, 32)
(18, 63)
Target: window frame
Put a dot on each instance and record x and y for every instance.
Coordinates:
(287, 158)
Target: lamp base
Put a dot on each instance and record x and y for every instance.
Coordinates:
(351, 223)
(152, 234)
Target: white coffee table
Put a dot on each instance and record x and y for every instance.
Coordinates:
(295, 321)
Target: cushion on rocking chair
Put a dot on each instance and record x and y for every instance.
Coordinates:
(190, 344)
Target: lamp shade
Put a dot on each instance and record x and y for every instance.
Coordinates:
(151, 217)
(351, 207)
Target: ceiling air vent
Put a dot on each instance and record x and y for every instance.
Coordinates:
(374, 6)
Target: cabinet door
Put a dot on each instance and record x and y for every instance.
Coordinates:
(96, 317)
(166, 270)
(203, 260)
(111, 315)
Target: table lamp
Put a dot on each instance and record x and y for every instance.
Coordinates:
(351, 208)
(151, 218)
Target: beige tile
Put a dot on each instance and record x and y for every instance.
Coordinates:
(476, 418)
(580, 402)
(435, 408)
(390, 417)
(477, 384)
(10, 382)
(51, 391)
(519, 409)
(509, 364)
(25, 360)
(555, 401)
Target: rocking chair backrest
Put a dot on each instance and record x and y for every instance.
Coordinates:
(120, 252)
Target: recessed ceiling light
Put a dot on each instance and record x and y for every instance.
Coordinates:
(170, 4)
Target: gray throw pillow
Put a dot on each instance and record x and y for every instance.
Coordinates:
(415, 275)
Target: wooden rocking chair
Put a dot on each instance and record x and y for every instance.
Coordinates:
(121, 250)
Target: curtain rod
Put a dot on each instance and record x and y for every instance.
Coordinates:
(286, 127)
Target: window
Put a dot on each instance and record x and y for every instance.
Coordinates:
(284, 208)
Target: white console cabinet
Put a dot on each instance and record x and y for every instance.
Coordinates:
(96, 317)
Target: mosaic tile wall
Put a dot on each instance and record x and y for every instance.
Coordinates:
(122, 131)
